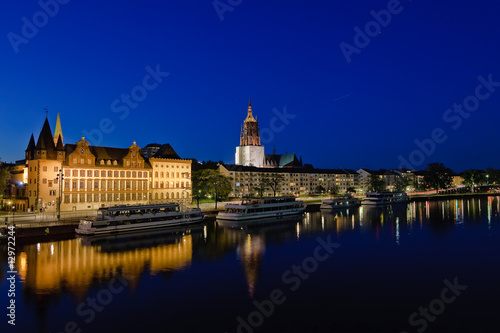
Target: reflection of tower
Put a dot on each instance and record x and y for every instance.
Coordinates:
(250, 252)
(250, 152)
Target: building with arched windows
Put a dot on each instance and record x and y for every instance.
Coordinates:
(83, 176)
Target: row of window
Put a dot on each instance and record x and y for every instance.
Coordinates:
(79, 198)
(76, 198)
(171, 166)
(171, 185)
(105, 184)
(102, 173)
(173, 174)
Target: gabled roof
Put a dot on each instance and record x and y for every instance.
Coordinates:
(166, 151)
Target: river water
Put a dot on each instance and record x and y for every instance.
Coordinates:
(421, 267)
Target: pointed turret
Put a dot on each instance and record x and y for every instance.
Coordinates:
(59, 144)
(58, 131)
(30, 149)
(45, 147)
(31, 144)
(274, 149)
(249, 112)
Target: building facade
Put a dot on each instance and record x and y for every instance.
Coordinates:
(80, 176)
(296, 181)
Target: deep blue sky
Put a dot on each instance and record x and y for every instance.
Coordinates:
(282, 54)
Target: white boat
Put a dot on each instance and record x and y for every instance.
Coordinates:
(384, 198)
(250, 209)
(138, 218)
(340, 202)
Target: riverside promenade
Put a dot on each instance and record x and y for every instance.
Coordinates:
(45, 224)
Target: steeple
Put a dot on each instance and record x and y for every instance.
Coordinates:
(274, 149)
(59, 144)
(31, 146)
(58, 131)
(250, 134)
(45, 141)
(249, 112)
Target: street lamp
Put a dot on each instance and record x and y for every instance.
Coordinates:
(60, 178)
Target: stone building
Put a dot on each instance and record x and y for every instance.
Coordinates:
(296, 181)
(90, 177)
(250, 152)
(171, 176)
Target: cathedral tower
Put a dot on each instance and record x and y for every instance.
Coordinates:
(250, 152)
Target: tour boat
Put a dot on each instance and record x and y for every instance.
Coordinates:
(384, 198)
(138, 218)
(250, 209)
(339, 202)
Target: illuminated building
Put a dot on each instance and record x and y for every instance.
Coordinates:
(250, 152)
(97, 176)
(296, 181)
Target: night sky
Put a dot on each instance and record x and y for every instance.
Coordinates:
(319, 87)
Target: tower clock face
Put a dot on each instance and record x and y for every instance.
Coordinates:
(82, 151)
(133, 154)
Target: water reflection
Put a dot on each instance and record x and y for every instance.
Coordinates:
(75, 266)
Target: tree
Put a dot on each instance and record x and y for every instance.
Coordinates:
(273, 181)
(319, 189)
(492, 176)
(375, 183)
(350, 189)
(473, 177)
(4, 179)
(334, 190)
(196, 165)
(213, 182)
(401, 183)
(260, 188)
(438, 176)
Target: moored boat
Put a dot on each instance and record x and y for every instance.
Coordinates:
(384, 198)
(138, 218)
(257, 208)
(340, 202)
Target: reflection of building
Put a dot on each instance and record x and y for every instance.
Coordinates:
(100, 176)
(46, 267)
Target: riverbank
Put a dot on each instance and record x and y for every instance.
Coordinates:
(48, 229)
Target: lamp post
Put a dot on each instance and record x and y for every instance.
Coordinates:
(60, 178)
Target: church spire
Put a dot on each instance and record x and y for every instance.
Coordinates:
(249, 112)
(58, 131)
